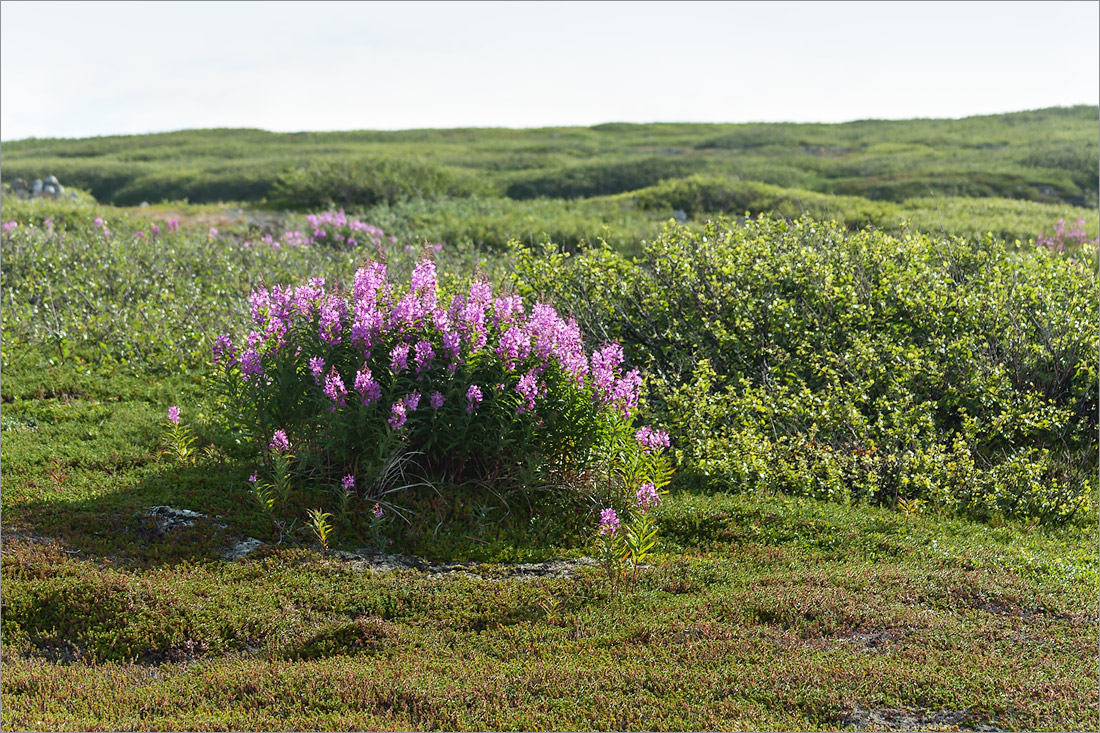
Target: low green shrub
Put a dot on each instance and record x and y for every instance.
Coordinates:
(489, 224)
(364, 182)
(701, 194)
(857, 366)
(583, 180)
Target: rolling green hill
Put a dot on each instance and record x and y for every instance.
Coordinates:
(1048, 156)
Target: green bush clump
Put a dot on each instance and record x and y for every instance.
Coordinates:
(490, 223)
(364, 182)
(700, 194)
(1007, 219)
(857, 366)
(600, 179)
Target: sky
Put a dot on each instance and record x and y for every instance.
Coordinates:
(78, 69)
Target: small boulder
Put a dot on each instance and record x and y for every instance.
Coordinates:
(169, 518)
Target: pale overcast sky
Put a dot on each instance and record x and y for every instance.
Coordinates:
(100, 68)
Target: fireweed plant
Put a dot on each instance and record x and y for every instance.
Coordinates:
(471, 387)
(334, 229)
(627, 544)
(178, 438)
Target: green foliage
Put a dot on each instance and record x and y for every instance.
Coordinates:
(488, 224)
(585, 180)
(716, 195)
(860, 366)
(1011, 220)
(365, 182)
(320, 526)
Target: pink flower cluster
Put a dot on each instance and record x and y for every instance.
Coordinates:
(1061, 237)
(332, 228)
(382, 341)
(651, 440)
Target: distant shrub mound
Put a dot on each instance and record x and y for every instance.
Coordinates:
(601, 179)
(700, 194)
(364, 182)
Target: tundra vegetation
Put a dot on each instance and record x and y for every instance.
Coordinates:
(628, 427)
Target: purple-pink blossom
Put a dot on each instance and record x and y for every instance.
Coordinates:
(348, 483)
(334, 389)
(366, 386)
(399, 358)
(223, 347)
(251, 366)
(473, 397)
(651, 439)
(279, 442)
(528, 389)
(609, 522)
(397, 415)
(424, 356)
(316, 368)
(174, 415)
(647, 497)
(436, 399)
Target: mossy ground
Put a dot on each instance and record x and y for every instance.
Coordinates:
(760, 612)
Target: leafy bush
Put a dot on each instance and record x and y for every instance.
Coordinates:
(368, 181)
(470, 388)
(715, 195)
(860, 366)
(490, 223)
(1007, 219)
(600, 179)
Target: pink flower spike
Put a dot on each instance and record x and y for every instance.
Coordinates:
(647, 497)
(174, 415)
(279, 442)
(609, 522)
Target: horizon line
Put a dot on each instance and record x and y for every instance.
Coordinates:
(552, 127)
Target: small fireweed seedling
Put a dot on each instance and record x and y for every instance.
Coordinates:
(264, 494)
(911, 507)
(318, 523)
(179, 438)
(281, 459)
(612, 549)
(344, 495)
(378, 540)
(641, 532)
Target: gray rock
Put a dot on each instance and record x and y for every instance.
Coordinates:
(368, 561)
(242, 549)
(169, 518)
